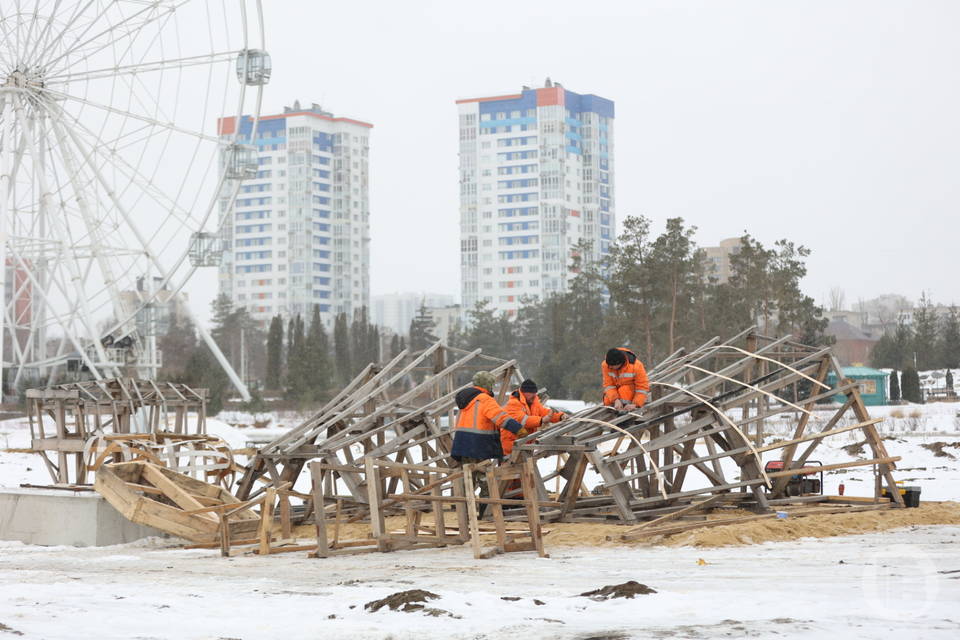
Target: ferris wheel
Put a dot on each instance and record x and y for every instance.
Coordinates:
(114, 174)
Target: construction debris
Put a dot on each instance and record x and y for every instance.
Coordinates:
(83, 413)
(379, 454)
(155, 496)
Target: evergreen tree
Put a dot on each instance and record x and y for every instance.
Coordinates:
(949, 345)
(298, 364)
(319, 368)
(910, 385)
(365, 340)
(925, 334)
(677, 271)
(177, 346)
(948, 382)
(894, 386)
(633, 299)
(274, 370)
(397, 344)
(421, 329)
(343, 360)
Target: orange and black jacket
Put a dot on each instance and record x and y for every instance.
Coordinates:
(477, 433)
(629, 384)
(530, 416)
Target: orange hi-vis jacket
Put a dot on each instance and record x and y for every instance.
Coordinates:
(477, 433)
(629, 383)
(530, 416)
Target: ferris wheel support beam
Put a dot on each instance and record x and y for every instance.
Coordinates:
(68, 333)
(204, 334)
(5, 152)
(81, 307)
(69, 162)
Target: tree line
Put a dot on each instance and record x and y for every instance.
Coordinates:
(931, 341)
(654, 294)
(294, 360)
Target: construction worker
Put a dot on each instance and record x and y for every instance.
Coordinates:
(625, 384)
(524, 406)
(476, 437)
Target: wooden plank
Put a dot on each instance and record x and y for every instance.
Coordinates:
(830, 467)
(493, 486)
(533, 510)
(177, 494)
(471, 499)
(572, 490)
(319, 510)
(696, 506)
(377, 525)
(265, 530)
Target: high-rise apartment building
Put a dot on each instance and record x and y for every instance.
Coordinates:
(299, 232)
(536, 178)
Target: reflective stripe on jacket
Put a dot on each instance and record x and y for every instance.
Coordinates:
(530, 417)
(629, 383)
(477, 432)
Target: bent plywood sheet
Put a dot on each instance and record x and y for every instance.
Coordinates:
(158, 497)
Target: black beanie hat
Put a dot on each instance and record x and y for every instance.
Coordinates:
(615, 357)
(528, 386)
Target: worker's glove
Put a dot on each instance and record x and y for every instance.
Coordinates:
(560, 416)
(523, 433)
(630, 407)
(618, 404)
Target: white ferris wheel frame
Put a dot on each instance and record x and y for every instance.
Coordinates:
(39, 245)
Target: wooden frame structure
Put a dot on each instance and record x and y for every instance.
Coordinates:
(708, 407)
(400, 411)
(82, 410)
(155, 496)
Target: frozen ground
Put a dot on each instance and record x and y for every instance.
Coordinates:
(901, 584)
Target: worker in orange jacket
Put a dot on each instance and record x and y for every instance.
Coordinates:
(525, 407)
(625, 384)
(476, 436)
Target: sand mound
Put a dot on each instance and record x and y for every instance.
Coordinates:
(816, 526)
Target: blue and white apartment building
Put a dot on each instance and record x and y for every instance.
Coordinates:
(299, 232)
(536, 178)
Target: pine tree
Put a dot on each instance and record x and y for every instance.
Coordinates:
(177, 346)
(318, 368)
(274, 353)
(396, 345)
(297, 361)
(948, 382)
(925, 330)
(949, 347)
(342, 357)
(421, 329)
(894, 386)
(910, 385)
(365, 340)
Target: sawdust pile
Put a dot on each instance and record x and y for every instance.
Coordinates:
(758, 531)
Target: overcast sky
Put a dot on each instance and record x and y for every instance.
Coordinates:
(833, 124)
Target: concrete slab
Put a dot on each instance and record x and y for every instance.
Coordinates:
(53, 517)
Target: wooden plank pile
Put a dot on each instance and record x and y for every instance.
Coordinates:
(81, 411)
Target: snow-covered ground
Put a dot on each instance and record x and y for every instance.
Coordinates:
(900, 584)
